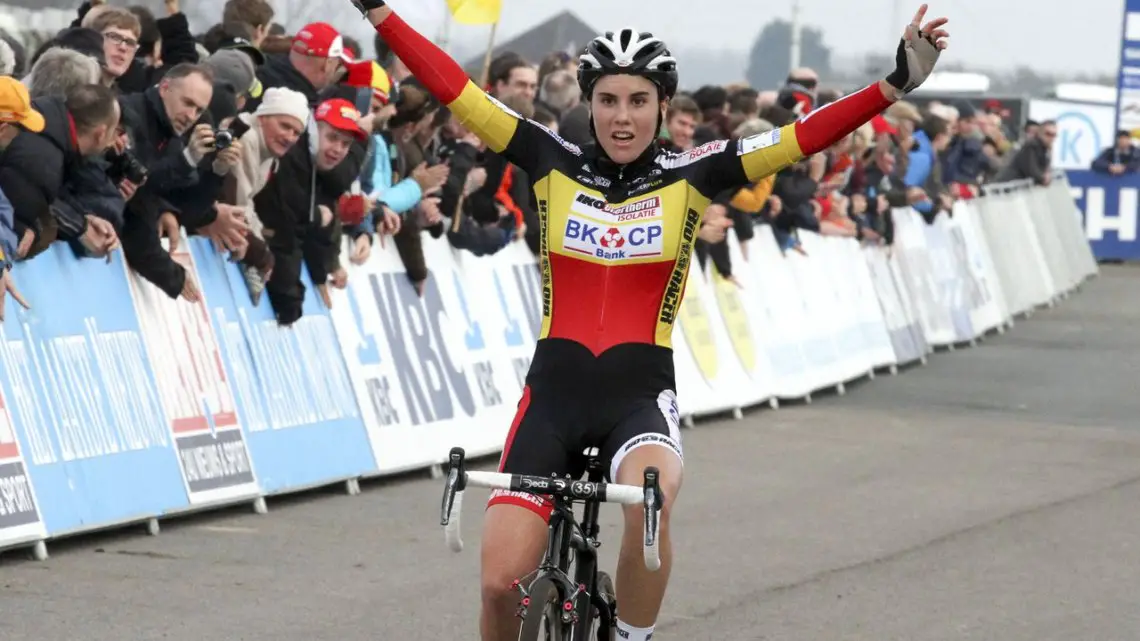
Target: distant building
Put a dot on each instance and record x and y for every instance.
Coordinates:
(563, 32)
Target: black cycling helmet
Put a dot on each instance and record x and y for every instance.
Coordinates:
(631, 52)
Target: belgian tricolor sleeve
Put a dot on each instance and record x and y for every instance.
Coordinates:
(521, 141)
(753, 158)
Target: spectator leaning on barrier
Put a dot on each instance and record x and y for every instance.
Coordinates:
(35, 166)
(965, 159)
(286, 204)
(157, 122)
(197, 201)
(923, 169)
(58, 71)
(1119, 159)
(338, 126)
(1032, 160)
(88, 189)
(16, 112)
(265, 135)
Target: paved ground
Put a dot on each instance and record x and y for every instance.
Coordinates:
(990, 495)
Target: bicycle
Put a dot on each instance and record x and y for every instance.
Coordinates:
(567, 607)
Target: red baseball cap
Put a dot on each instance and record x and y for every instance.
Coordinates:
(320, 40)
(367, 73)
(883, 126)
(342, 116)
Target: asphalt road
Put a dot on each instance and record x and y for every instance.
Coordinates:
(989, 495)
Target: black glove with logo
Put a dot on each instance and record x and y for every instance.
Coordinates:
(914, 59)
(364, 6)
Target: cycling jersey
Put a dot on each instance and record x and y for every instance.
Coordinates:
(616, 242)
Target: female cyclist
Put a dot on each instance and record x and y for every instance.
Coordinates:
(618, 224)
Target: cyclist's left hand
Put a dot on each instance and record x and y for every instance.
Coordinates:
(918, 52)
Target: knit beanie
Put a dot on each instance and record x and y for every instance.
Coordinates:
(233, 68)
(279, 101)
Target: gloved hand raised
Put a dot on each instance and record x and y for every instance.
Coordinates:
(918, 51)
(364, 6)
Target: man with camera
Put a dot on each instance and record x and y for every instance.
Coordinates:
(156, 121)
(35, 165)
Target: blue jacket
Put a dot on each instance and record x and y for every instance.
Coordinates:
(965, 161)
(8, 241)
(919, 167)
(376, 180)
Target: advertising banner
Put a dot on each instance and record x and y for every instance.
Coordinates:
(194, 389)
(80, 390)
(1110, 205)
(405, 346)
(19, 513)
(783, 323)
(906, 335)
(1128, 72)
(293, 394)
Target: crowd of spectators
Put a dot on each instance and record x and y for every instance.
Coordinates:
(127, 128)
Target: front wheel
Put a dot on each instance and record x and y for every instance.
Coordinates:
(544, 613)
(606, 614)
(597, 611)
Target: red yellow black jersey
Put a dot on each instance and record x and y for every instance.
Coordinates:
(616, 241)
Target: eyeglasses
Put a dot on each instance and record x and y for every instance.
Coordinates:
(122, 41)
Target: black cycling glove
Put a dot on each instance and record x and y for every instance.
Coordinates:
(364, 6)
(914, 60)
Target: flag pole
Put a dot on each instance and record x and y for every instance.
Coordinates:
(483, 79)
(445, 32)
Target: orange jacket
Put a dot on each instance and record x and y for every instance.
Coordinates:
(751, 199)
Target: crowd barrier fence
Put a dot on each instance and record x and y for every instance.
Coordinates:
(119, 405)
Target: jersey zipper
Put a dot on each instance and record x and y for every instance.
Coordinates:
(606, 279)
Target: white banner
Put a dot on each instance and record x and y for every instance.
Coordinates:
(446, 367)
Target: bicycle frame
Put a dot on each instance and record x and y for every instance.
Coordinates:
(566, 534)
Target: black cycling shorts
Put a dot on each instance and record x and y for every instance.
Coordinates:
(574, 401)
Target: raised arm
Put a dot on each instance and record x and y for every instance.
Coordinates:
(764, 154)
(504, 131)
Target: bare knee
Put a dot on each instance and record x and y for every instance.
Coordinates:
(513, 543)
(632, 472)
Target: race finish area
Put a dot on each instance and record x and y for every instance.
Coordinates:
(988, 495)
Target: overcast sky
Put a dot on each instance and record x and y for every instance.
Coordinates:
(1047, 35)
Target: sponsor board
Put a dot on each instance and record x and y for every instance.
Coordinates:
(79, 391)
(194, 389)
(19, 512)
(294, 397)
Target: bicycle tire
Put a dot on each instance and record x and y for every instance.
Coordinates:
(607, 625)
(544, 614)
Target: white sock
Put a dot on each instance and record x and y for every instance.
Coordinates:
(627, 632)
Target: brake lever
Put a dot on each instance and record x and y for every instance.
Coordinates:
(456, 482)
(653, 503)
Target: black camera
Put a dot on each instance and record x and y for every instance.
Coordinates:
(223, 138)
(125, 166)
